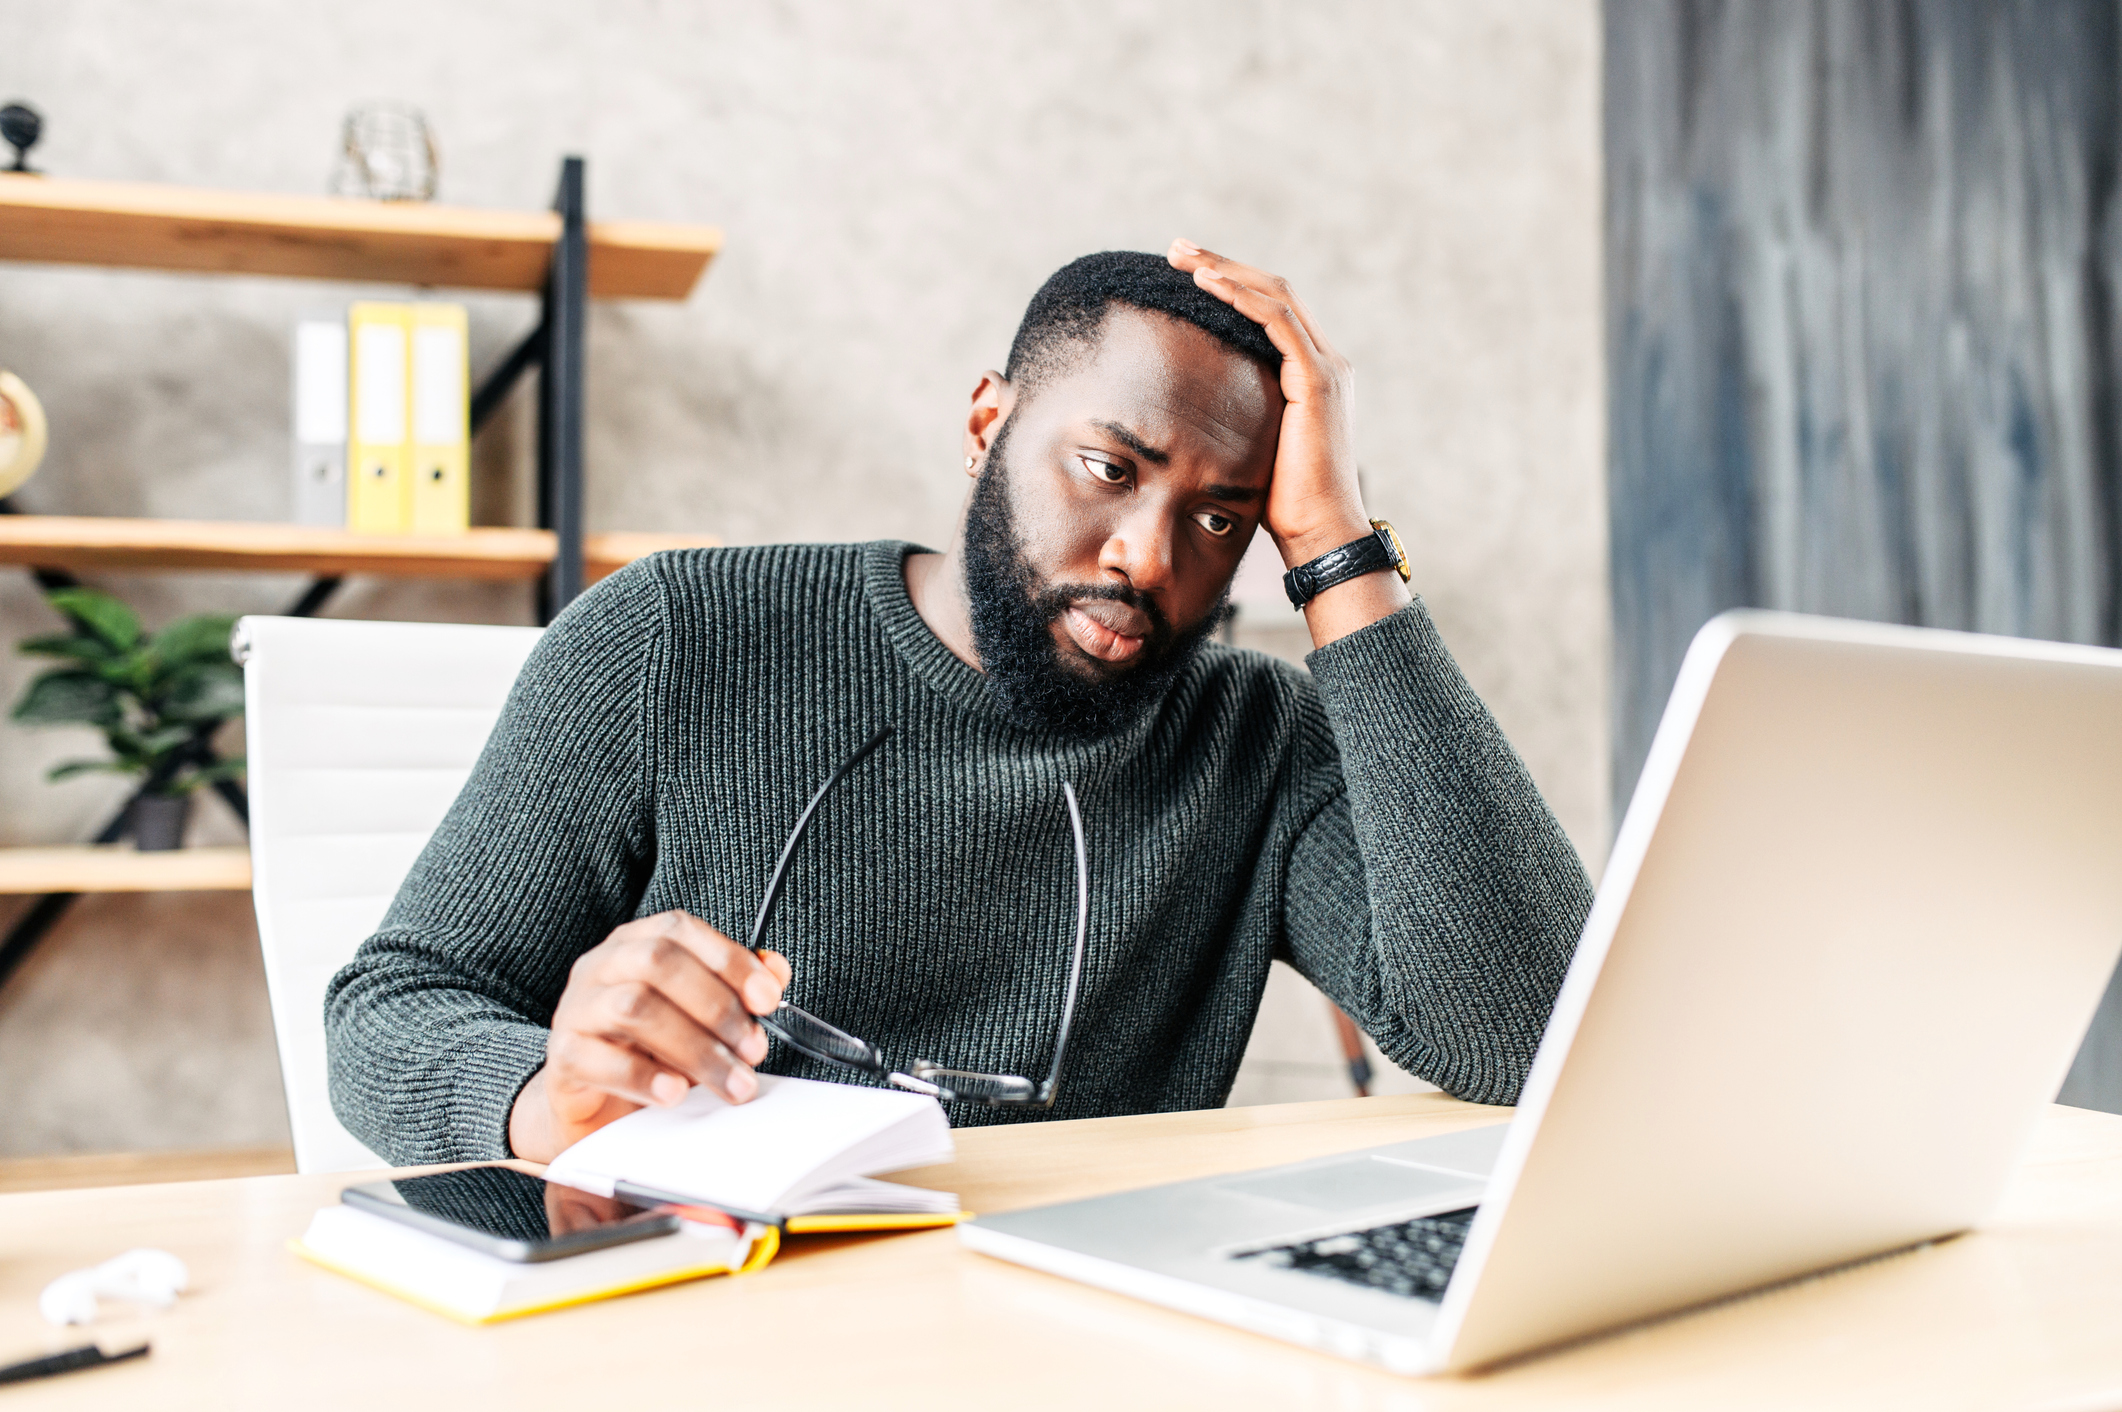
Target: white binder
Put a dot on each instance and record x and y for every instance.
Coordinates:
(320, 385)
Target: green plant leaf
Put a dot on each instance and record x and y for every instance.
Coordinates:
(69, 696)
(99, 614)
(147, 749)
(77, 647)
(194, 640)
(222, 770)
(161, 740)
(200, 693)
(70, 768)
(130, 672)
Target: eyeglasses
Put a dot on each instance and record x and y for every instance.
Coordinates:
(807, 1034)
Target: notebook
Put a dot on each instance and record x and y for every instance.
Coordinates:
(802, 1155)
(476, 1288)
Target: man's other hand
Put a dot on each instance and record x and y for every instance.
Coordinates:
(1314, 503)
(662, 1004)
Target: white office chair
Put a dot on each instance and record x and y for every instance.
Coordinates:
(360, 736)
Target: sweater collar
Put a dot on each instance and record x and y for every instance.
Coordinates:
(884, 578)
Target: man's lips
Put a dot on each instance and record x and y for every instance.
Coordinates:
(1100, 638)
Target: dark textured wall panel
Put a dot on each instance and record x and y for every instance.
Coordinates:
(1861, 265)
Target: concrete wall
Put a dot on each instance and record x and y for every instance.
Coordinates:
(895, 180)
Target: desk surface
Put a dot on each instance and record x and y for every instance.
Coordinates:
(2025, 1314)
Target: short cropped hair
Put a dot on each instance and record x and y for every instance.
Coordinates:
(1067, 315)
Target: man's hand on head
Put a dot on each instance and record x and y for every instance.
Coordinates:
(1314, 504)
(661, 1004)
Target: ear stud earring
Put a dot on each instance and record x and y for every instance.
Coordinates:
(968, 463)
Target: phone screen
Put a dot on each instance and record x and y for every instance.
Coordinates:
(511, 1214)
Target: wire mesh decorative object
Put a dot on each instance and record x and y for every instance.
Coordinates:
(387, 153)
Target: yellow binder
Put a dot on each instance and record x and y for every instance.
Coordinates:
(441, 429)
(378, 487)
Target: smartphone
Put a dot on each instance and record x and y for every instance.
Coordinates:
(510, 1214)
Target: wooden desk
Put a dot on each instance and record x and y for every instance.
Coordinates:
(2027, 1314)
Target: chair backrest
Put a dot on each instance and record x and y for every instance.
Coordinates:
(360, 736)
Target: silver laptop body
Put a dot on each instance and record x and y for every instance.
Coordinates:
(1857, 919)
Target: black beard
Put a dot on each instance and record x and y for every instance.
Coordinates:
(1013, 614)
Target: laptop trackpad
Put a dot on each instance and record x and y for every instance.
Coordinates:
(1356, 1184)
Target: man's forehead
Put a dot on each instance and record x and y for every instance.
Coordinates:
(1169, 386)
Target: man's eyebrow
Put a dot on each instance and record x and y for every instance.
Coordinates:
(1134, 443)
(1242, 494)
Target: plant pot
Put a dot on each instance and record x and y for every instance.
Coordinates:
(157, 821)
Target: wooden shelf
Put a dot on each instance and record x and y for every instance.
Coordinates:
(59, 1172)
(85, 542)
(138, 226)
(117, 868)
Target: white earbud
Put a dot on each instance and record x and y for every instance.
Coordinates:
(144, 1276)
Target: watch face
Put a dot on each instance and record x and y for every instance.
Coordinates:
(1399, 550)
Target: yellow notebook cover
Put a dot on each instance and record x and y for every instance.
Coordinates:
(473, 1288)
(378, 484)
(830, 1223)
(441, 421)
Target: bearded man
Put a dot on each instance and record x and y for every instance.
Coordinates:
(562, 952)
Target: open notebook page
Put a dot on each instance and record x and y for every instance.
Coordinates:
(791, 1150)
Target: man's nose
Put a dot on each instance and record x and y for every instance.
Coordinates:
(1140, 550)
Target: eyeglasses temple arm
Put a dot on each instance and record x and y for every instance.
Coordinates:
(795, 836)
(1075, 967)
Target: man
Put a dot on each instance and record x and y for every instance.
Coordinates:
(561, 954)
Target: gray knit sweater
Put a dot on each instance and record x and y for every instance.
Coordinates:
(1368, 824)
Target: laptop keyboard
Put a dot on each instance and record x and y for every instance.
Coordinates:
(1413, 1258)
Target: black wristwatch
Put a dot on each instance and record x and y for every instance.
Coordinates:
(1376, 551)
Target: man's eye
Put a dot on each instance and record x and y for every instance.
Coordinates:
(1215, 524)
(1104, 470)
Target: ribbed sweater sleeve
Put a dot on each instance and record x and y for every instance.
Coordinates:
(1433, 897)
(441, 1018)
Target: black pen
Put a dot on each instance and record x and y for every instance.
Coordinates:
(72, 1360)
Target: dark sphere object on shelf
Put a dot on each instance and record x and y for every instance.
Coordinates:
(21, 125)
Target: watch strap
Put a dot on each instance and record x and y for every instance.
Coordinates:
(1369, 555)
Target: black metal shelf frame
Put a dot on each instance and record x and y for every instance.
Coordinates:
(557, 347)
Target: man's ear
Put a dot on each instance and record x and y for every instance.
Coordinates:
(992, 401)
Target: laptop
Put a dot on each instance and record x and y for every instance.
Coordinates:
(1858, 917)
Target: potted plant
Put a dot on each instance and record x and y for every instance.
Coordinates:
(156, 698)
